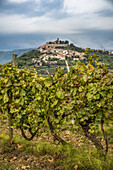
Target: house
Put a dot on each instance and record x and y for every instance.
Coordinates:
(75, 59)
(65, 52)
(36, 61)
(62, 57)
(110, 52)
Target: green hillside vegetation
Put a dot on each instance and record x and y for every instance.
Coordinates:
(6, 56)
(26, 61)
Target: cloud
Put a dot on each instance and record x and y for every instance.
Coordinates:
(15, 23)
(99, 39)
(111, 1)
(23, 24)
(51, 8)
(85, 6)
(47, 24)
(106, 13)
(33, 8)
(56, 17)
(17, 1)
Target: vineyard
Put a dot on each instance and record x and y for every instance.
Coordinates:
(78, 101)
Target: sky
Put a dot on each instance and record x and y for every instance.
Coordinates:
(31, 23)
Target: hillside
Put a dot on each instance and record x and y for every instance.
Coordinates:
(52, 55)
(6, 56)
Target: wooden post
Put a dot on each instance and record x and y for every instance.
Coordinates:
(14, 59)
(10, 123)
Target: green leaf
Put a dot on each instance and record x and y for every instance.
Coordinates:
(56, 121)
(33, 89)
(19, 116)
(22, 101)
(9, 83)
(22, 93)
(80, 88)
(3, 91)
(103, 93)
(89, 96)
(97, 96)
(38, 97)
(74, 91)
(60, 94)
(38, 86)
(85, 78)
(54, 103)
(44, 99)
(17, 101)
(47, 83)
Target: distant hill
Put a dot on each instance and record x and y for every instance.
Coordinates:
(6, 56)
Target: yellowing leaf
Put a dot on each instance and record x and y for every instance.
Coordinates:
(11, 140)
(38, 97)
(5, 81)
(19, 146)
(51, 160)
(80, 88)
(24, 167)
(14, 158)
(90, 67)
(76, 167)
(5, 98)
(85, 78)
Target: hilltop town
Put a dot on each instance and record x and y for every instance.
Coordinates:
(51, 52)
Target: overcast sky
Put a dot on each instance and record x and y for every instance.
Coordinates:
(29, 23)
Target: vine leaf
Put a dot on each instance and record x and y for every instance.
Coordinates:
(6, 98)
(60, 94)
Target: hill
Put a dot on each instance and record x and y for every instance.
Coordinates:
(54, 54)
(51, 55)
(6, 56)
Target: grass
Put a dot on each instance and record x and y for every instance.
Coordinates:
(47, 155)
(44, 154)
